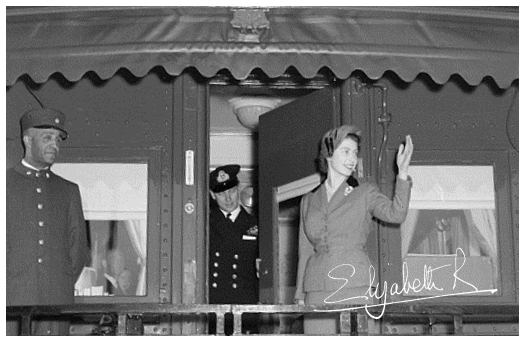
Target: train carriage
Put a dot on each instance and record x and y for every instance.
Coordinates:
(157, 97)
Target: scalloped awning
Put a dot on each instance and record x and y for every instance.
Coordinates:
(471, 42)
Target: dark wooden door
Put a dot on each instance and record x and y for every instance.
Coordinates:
(288, 146)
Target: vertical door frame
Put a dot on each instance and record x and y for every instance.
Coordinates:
(190, 162)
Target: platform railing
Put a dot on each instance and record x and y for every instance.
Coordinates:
(352, 322)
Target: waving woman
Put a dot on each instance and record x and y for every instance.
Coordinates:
(335, 221)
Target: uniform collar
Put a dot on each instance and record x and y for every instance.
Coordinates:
(30, 166)
(234, 215)
(26, 169)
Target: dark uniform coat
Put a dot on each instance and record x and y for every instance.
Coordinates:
(233, 251)
(46, 242)
(333, 234)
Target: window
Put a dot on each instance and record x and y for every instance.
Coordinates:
(114, 201)
(449, 239)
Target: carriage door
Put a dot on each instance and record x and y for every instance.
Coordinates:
(288, 147)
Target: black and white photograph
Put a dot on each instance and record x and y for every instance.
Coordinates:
(262, 169)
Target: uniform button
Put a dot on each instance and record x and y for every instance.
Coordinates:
(40, 223)
(234, 285)
(217, 254)
(236, 256)
(41, 241)
(234, 276)
(214, 285)
(234, 266)
(40, 206)
(40, 260)
(39, 190)
(215, 264)
(215, 274)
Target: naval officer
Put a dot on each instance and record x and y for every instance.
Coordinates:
(233, 248)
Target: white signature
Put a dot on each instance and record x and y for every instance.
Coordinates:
(416, 286)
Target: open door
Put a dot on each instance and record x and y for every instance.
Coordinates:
(288, 147)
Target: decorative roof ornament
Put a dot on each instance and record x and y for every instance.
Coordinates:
(250, 22)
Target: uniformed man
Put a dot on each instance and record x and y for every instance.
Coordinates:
(46, 241)
(233, 248)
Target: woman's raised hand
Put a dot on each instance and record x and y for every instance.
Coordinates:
(404, 154)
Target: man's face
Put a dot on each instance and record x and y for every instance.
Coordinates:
(42, 146)
(228, 200)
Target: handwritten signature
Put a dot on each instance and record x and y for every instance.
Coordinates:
(416, 286)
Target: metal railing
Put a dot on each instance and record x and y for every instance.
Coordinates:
(352, 322)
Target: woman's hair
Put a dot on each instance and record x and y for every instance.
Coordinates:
(332, 140)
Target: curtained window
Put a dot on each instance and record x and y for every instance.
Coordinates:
(114, 201)
(451, 218)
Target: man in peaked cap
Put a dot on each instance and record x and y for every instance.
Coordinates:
(46, 239)
(233, 248)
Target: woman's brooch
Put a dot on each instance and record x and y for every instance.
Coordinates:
(352, 183)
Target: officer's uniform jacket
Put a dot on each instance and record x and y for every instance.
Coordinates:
(333, 234)
(46, 243)
(233, 250)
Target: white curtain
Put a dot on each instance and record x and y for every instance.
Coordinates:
(483, 225)
(138, 234)
(407, 230)
(484, 229)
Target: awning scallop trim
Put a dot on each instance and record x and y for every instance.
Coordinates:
(473, 43)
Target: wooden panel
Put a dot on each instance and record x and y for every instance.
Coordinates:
(288, 147)
(194, 200)
(515, 214)
(121, 110)
(450, 117)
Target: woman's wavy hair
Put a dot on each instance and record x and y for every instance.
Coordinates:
(332, 140)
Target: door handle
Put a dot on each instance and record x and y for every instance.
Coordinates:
(189, 167)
